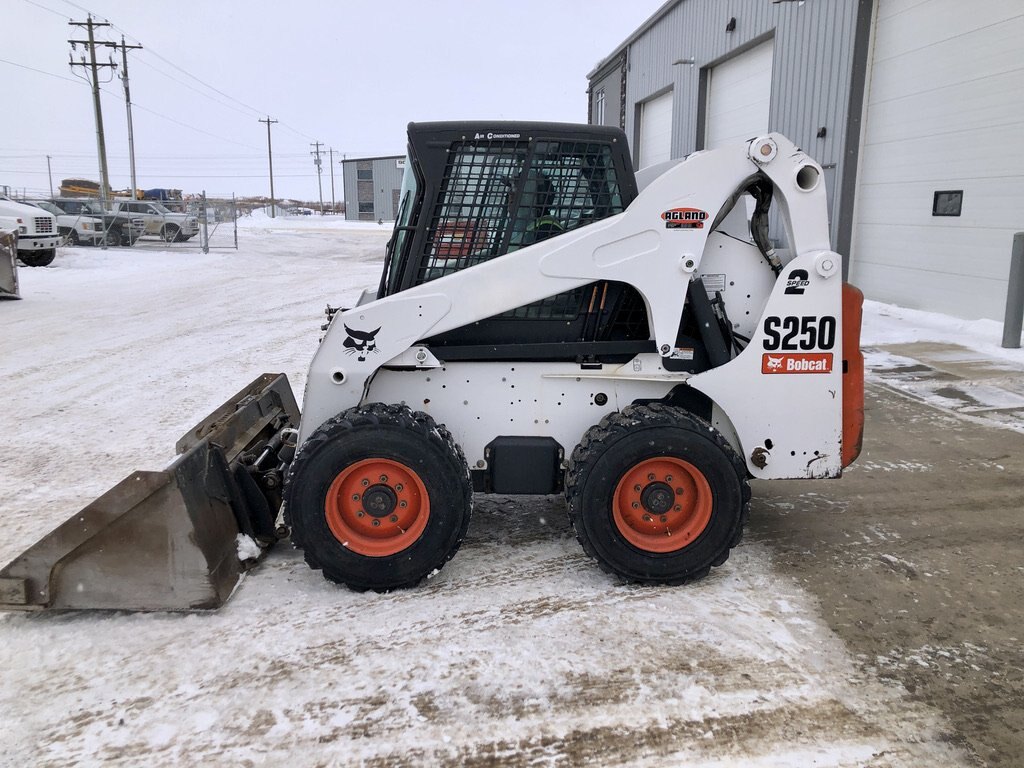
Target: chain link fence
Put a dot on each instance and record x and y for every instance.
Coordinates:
(200, 222)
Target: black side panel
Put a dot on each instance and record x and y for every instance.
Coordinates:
(525, 465)
(707, 322)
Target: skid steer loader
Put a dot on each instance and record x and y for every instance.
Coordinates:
(546, 321)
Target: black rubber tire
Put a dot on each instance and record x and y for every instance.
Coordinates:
(620, 442)
(112, 237)
(170, 233)
(390, 432)
(37, 258)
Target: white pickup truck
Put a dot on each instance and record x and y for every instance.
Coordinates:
(38, 236)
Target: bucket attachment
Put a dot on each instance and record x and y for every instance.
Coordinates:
(9, 265)
(167, 541)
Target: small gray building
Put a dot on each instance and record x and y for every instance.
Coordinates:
(372, 186)
(912, 108)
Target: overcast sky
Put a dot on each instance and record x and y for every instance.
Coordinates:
(350, 75)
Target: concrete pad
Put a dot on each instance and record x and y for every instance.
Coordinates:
(916, 556)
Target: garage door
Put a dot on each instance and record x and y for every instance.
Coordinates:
(656, 131)
(940, 191)
(739, 97)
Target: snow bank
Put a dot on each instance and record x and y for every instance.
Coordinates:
(889, 324)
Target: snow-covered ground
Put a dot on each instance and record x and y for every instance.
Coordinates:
(520, 652)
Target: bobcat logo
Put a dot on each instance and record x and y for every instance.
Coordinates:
(361, 343)
(774, 363)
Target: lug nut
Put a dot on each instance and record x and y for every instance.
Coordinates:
(360, 513)
(355, 497)
(677, 508)
(393, 518)
(650, 476)
(403, 504)
(383, 478)
(365, 482)
(399, 487)
(637, 488)
(668, 478)
(648, 519)
(635, 505)
(664, 518)
(679, 491)
(376, 523)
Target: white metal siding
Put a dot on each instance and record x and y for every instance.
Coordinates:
(739, 96)
(656, 131)
(944, 111)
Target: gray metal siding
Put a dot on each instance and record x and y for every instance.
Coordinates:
(612, 85)
(387, 178)
(811, 75)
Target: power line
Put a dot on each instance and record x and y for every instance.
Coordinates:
(40, 71)
(178, 122)
(170, 63)
(192, 88)
(48, 10)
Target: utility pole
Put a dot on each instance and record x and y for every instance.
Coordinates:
(49, 174)
(319, 174)
(101, 146)
(128, 104)
(334, 205)
(270, 157)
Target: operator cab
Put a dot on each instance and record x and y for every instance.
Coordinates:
(474, 191)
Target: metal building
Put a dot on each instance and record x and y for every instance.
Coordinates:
(372, 186)
(912, 107)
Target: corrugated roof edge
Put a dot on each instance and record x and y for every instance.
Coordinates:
(654, 19)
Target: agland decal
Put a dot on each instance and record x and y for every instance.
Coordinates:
(684, 218)
(800, 362)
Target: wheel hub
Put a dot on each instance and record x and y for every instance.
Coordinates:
(379, 501)
(658, 498)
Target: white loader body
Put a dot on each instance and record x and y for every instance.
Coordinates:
(779, 402)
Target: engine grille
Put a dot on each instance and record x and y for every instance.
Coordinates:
(44, 225)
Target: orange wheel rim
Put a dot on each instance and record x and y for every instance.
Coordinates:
(662, 505)
(377, 507)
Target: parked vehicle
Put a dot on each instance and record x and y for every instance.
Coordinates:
(75, 229)
(118, 228)
(160, 220)
(37, 232)
(8, 258)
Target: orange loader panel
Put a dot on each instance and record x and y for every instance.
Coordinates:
(853, 374)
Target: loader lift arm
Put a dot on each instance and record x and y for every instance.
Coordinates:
(635, 247)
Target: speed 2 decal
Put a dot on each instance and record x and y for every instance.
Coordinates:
(684, 218)
(797, 281)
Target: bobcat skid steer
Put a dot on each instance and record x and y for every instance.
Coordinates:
(547, 321)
